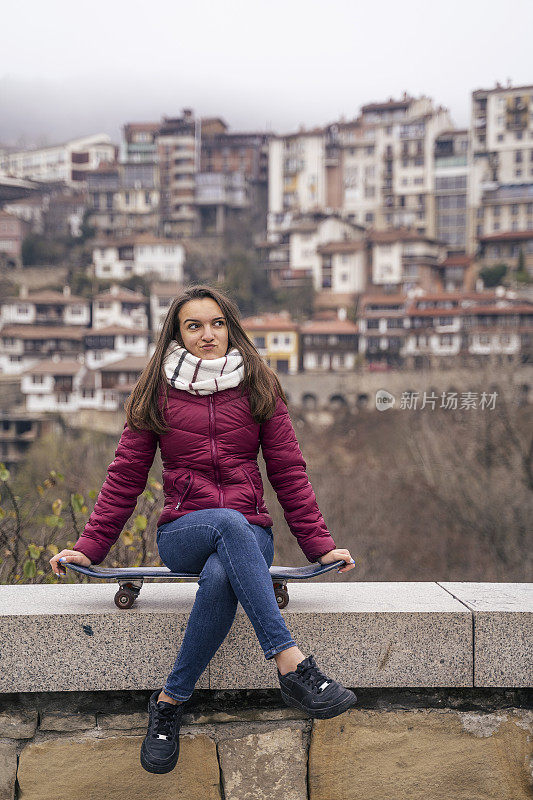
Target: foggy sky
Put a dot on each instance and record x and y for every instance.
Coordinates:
(69, 70)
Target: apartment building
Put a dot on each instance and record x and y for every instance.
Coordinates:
(296, 176)
(442, 329)
(276, 339)
(178, 153)
(124, 199)
(501, 141)
(113, 343)
(375, 170)
(344, 266)
(382, 328)
(451, 170)
(51, 385)
(233, 176)
(472, 331)
(119, 378)
(68, 162)
(401, 259)
(143, 255)
(328, 345)
(161, 297)
(293, 252)
(138, 144)
(12, 231)
(22, 346)
(47, 307)
(120, 306)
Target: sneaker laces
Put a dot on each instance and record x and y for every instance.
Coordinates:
(312, 675)
(164, 720)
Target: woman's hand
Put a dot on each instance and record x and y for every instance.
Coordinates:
(337, 555)
(69, 555)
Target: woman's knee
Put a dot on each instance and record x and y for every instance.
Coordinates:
(214, 576)
(224, 518)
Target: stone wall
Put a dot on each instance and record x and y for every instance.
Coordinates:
(76, 674)
(462, 744)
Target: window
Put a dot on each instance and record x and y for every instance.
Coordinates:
(37, 379)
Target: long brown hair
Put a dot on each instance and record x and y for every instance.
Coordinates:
(142, 406)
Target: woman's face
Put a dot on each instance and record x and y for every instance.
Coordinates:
(203, 328)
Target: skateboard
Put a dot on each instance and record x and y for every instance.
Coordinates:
(130, 579)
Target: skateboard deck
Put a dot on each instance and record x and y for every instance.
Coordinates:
(131, 579)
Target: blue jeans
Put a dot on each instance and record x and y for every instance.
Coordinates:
(232, 558)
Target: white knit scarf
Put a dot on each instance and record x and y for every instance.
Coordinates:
(201, 376)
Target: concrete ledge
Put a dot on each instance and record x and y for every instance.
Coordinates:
(72, 637)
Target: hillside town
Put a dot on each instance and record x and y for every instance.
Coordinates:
(412, 241)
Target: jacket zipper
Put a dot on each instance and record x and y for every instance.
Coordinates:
(184, 495)
(214, 453)
(248, 478)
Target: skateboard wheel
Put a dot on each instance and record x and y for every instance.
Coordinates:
(282, 596)
(125, 598)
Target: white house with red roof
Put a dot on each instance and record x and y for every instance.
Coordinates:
(113, 343)
(46, 307)
(120, 306)
(143, 255)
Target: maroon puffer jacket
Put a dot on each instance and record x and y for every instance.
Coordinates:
(209, 460)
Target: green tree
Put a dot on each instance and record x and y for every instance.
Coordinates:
(246, 282)
(522, 275)
(493, 276)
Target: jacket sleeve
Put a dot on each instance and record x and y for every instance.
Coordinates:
(125, 480)
(286, 472)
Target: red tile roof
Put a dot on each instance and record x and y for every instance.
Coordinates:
(49, 296)
(22, 331)
(507, 236)
(139, 239)
(51, 367)
(325, 326)
(123, 296)
(470, 310)
(397, 235)
(458, 261)
(117, 330)
(341, 247)
(384, 299)
(128, 364)
(269, 322)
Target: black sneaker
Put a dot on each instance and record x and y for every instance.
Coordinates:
(313, 692)
(161, 746)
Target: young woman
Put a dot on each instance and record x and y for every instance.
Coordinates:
(209, 401)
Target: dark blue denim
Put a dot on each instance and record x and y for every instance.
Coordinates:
(232, 557)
